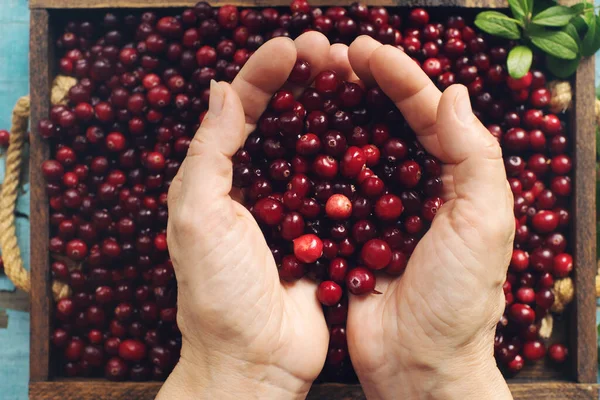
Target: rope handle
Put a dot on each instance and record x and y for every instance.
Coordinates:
(13, 264)
(11, 254)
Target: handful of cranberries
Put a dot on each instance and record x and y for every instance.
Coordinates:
(335, 178)
(339, 184)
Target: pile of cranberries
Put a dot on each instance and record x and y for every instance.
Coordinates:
(335, 177)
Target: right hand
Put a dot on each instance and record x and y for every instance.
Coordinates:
(430, 334)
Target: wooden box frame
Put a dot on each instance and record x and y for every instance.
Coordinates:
(577, 381)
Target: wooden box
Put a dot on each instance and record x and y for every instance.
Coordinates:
(577, 380)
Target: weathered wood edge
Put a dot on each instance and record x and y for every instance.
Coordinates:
(33, 4)
(84, 390)
(584, 210)
(40, 296)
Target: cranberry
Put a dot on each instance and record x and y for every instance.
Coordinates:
(360, 281)
(300, 72)
(116, 369)
(338, 207)
(388, 207)
(327, 83)
(268, 211)
(534, 350)
(291, 269)
(376, 254)
(308, 248)
(545, 221)
(329, 293)
(521, 314)
(562, 265)
(558, 353)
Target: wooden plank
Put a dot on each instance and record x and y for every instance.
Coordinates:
(17, 300)
(33, 4)
(97, 390)
(40, 80)
(584, 211)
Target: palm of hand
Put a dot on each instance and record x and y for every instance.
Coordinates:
(439, 302)
(242, 302)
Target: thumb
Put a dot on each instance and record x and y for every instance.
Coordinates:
(207, 169)
(482, 193)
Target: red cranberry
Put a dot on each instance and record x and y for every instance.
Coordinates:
(308, 248)
(360, 281)
(534, 350)
(562, 265)
(338, 207)
(558, 353)
(329, 293)
(376, 254)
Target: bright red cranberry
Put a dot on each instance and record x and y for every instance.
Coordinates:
(516, 364)
(308, 248)
(558, 353)
(325, 167)
(534, 350)
(376, 254)
(388, 207)
(519, 261)
(329, 293)
(360, 281)
(268, 211)
(132, 350)
(516, 84)
(562, 265)
(353, 161)
(545, 221)
(338, 207)
(521, 314)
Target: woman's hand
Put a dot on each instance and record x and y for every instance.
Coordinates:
(431, 333)
(245, 334)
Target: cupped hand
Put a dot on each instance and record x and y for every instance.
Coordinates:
(430, 333)
(244, 332)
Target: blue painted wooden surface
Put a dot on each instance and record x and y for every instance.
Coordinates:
(14, 69)
(14, 81)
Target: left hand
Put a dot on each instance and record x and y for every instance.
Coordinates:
(245, 334)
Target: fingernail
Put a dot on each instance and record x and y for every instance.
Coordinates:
(216, 99)
(462, 105)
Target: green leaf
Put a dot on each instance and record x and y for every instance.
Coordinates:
(556, 43)
(562, 68)
(591, 40)
(584, 5)
(554, 16)
(572, 31)
(497, 24)
(580, 24)
(520, 8)
(519, 61)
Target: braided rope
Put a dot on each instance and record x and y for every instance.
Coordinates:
(11, 254)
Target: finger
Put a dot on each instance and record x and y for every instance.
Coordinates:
(338, 62)
(264, 73)
(412, 91)
(207, 170)
(479, 176)
(359, 54)
(312, 47)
